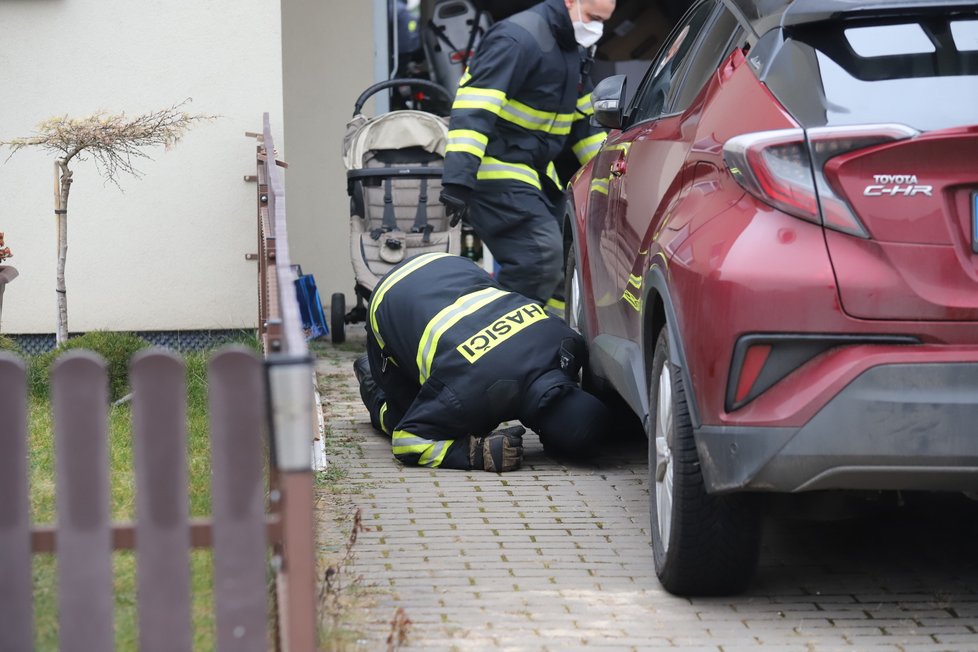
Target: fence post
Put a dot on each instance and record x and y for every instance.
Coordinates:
(159, 421)
(16, 613)
(291, 397)
(290, 387)
(79, 388)
(237, 494)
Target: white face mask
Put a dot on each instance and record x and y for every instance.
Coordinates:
(586, 34)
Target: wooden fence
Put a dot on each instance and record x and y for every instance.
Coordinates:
(248, 398)
(291, 397)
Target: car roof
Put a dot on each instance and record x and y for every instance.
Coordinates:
(764, 15)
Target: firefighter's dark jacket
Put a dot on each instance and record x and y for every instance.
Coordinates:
(469, 354)
(522, 100)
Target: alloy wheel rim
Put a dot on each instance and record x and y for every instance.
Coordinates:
(663, 471)
(574, 312)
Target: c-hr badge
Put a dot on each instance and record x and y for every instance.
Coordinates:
(892, 185)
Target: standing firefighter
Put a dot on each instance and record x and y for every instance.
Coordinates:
(524, 98)
(450, 356)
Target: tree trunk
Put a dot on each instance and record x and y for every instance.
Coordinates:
(62, 180)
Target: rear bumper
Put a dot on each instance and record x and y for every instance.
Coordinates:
(894, 426)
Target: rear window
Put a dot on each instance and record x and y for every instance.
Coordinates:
(965, 35)
(889, 40)
(921, 73)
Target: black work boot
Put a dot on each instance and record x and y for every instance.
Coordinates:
(361, 368)
(371, 394)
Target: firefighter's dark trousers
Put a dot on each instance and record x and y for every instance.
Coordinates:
(409, 414)
(521, 229)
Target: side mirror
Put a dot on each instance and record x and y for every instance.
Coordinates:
(607, 98)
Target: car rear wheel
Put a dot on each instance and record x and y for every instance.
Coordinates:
(573, 310)
(702, 544)
(625, 424)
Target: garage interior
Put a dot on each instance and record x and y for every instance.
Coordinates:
(631, 38)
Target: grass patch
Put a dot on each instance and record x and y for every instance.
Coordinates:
(122, 506)
(333, 475)
(116, 348)
(9, 345)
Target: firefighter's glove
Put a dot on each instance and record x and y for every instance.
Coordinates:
(499, 451)
(456, 200)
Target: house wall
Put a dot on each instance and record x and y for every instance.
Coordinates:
(328, 54)
(166, 252)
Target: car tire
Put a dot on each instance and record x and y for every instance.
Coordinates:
(573, 311)
(625, 424)
(337, 317)
(702, 544)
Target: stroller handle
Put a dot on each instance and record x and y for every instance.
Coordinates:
(407, 81)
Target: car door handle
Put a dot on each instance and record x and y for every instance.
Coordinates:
(618, 167)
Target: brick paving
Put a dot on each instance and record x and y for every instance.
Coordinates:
(557, 557)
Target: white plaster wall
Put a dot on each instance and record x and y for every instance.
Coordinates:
(169, 251)
(328, 62)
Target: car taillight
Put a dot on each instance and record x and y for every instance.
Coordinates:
(784, 168)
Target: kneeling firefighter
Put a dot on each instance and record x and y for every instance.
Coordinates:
(450, 356)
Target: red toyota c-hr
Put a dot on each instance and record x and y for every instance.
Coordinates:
(774, 258)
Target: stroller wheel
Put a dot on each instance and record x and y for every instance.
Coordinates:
(337, 311)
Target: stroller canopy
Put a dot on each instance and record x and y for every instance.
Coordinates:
(395, 130)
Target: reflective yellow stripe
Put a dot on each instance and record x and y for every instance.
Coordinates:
(431, 452)
(464, 79)
(464, 147)
(584, 105)
(466, 304)
(435, 454)
(529, 111)
(511, 114)
(552, 173)
(487, 99)
(403, 441)
(468, 141)
(476, 104)
(493, 168)
(586, 148)
(473, 92)
(632, 301)
(562, 124)
(380, 417)
(389, 282)
(599, 185)
(635, 280)
(527, 117)
(468, 134)
(555, 307)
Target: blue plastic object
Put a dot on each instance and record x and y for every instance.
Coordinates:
(310, 306)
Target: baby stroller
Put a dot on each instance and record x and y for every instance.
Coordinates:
(394, 164)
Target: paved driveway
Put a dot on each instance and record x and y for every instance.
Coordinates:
(556, 557)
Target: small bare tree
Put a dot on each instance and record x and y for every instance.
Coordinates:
(114, 141)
